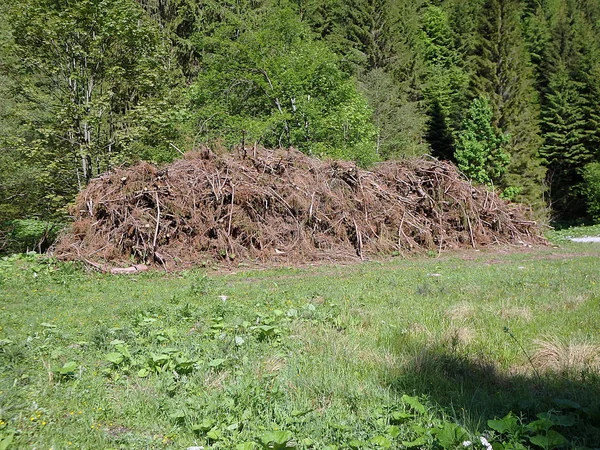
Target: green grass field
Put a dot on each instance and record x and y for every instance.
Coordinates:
(406, 353)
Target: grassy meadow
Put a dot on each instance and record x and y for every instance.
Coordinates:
(478, 349)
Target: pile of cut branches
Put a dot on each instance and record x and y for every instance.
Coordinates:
(283, 206)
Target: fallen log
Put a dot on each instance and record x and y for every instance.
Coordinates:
(129, 270)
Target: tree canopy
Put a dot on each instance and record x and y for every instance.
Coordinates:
(509, 90)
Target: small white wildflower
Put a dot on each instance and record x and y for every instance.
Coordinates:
(485, 443)
(223, 297)
(467, 443)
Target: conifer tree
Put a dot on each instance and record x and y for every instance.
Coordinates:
(445, 83)
(377, 39)
(502, 71)
(564, 126)
(480, 151)
(570, 106)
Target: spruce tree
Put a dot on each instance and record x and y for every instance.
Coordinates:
(377, 40)
(570, 104)
(502, 71)
(564, 126)
(445, 84)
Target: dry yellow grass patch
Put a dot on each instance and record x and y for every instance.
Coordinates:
(421, 361)
(379, 359)
(216, 380)
(270, 366)
(458, 336)
(574, 301)
(555, 355)
(516, 312)
(569, 303)
(461, 311)
(418, 328)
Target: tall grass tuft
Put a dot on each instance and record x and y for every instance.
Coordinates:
(568, 358)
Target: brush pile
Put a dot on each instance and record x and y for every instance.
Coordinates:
(283, 206)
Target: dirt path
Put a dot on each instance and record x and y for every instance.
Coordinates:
(488, 256)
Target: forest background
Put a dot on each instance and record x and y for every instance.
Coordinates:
(509, 90)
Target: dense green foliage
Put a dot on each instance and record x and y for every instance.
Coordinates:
(23, 235)
(479, 147)
(591, 178)
(272, 83)
(87, 85)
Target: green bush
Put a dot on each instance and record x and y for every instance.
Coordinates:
(18, 236)
(591, 189)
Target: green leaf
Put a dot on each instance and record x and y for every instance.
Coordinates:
(204, 426)
(401, 416)
(143, 372)
(450, 434)
(214, 434)
(216, 363)
(356, 444)
(123, 350)
(382, 441)
(160, 358)
(393, 431)
(4, 443)
(508, 424)
(542, 424)
(245, 446)
(566, 404)
(114, 357)
(416, 443)
(414, 403)
(276, 439)
(177, 416)
(232, 427)
(267, 331)
(69, 368)
(300, 412)
(559, 419)
(548, 441)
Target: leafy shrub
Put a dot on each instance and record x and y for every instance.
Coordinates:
(480, 153)
(591, 189)
(18, 236)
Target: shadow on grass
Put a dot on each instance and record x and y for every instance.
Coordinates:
(471, 390)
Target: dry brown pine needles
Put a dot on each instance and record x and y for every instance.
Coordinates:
(283, 206)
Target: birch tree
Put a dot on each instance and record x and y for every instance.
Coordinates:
(93, 68)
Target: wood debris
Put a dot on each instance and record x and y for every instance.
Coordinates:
(283, 206)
